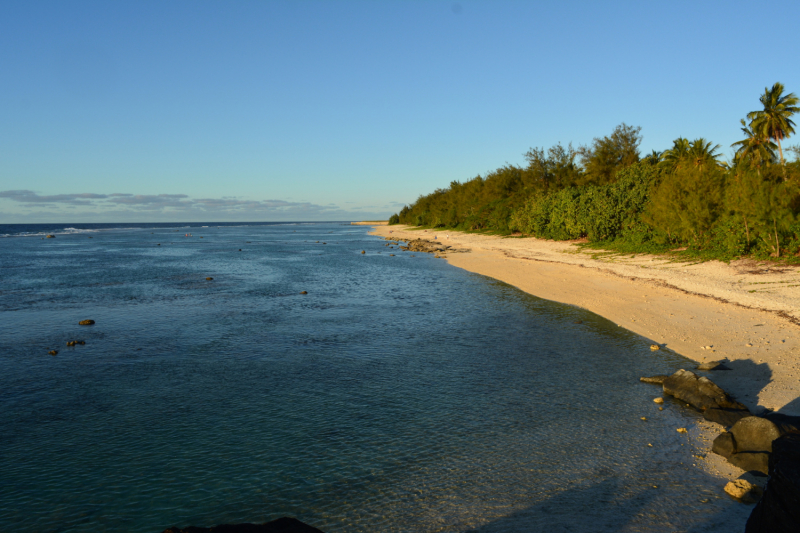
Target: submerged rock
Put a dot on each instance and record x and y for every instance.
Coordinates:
(281, 525)
(778, 511)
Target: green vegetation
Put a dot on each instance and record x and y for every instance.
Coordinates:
(608, 194)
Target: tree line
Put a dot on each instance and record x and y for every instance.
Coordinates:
(608, 192)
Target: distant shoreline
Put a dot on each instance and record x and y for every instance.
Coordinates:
(744, 312)
(371, 223)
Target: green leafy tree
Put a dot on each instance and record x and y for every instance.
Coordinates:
(774, 121)
(687, 202)
(607, 155)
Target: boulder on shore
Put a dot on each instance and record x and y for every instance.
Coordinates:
(748, 444)
(713, 365)
(281, 525)
(700, 392)
(725, 417)
(778, 511)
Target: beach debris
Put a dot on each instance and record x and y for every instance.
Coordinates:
(650, 445)
(749, 345)
(743, 491)
(655, 347)
(644, 418)
(656, 380)
(682, 430)
(706, 347)
(53, 352)
(303, 292)
(86, 322)
(660, 408)
(658, 400)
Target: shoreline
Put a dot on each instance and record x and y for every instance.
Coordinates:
(745, 312)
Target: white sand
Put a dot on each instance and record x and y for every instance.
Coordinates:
(747, 312)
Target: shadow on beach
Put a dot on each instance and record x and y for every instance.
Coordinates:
(600, 507)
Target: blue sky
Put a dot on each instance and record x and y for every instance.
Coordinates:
(306, 110)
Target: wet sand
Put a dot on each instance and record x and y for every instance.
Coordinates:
(745, 312)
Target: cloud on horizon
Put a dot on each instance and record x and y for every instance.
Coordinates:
(161, 206)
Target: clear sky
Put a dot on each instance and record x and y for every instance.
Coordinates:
(341, 110)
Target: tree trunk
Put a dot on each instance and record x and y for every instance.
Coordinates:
(777, 242)
(746, 230)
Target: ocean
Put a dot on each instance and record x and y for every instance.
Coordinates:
(399, 394)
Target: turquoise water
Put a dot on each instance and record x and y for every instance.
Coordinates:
(399, 394)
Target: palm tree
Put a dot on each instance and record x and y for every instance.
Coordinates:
(774, 121)
(755, 148)
(671, 159)
(701, 153)
(653, 157)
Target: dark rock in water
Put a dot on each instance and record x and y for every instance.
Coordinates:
(700, 392)
(656, 380)
(713, 365)
(725, 417)
(51, 236)
(209, 279)
(86, 322)
(754, 434)
(779, 508)
(751, 461)
(724, 445)
(53, 352)
(303, 292)
(281, 525)
(363, 252)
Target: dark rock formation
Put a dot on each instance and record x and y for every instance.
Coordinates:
(53, 352)
(86, 322)
(755, 462)
(725, 417)
(51, 236)
(700, 392)
(724, 445)
(713, 365)
(655, 380)
(748, 444)
(754, 434)
(209, 279)
(303, 292)
(779, 508)
(281, 525)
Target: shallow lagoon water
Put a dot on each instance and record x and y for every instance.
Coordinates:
(399, 394)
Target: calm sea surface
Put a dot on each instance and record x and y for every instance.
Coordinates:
(399, 394)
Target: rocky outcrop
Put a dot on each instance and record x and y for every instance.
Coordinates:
(86, 322)
(778, 511)
(700, 392)
(748, 444)
(281, 525)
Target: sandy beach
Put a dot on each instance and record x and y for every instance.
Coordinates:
(745, 312)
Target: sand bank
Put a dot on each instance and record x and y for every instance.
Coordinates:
(746, 312)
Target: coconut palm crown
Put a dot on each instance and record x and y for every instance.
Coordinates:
(774, 121)
(755, 148)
